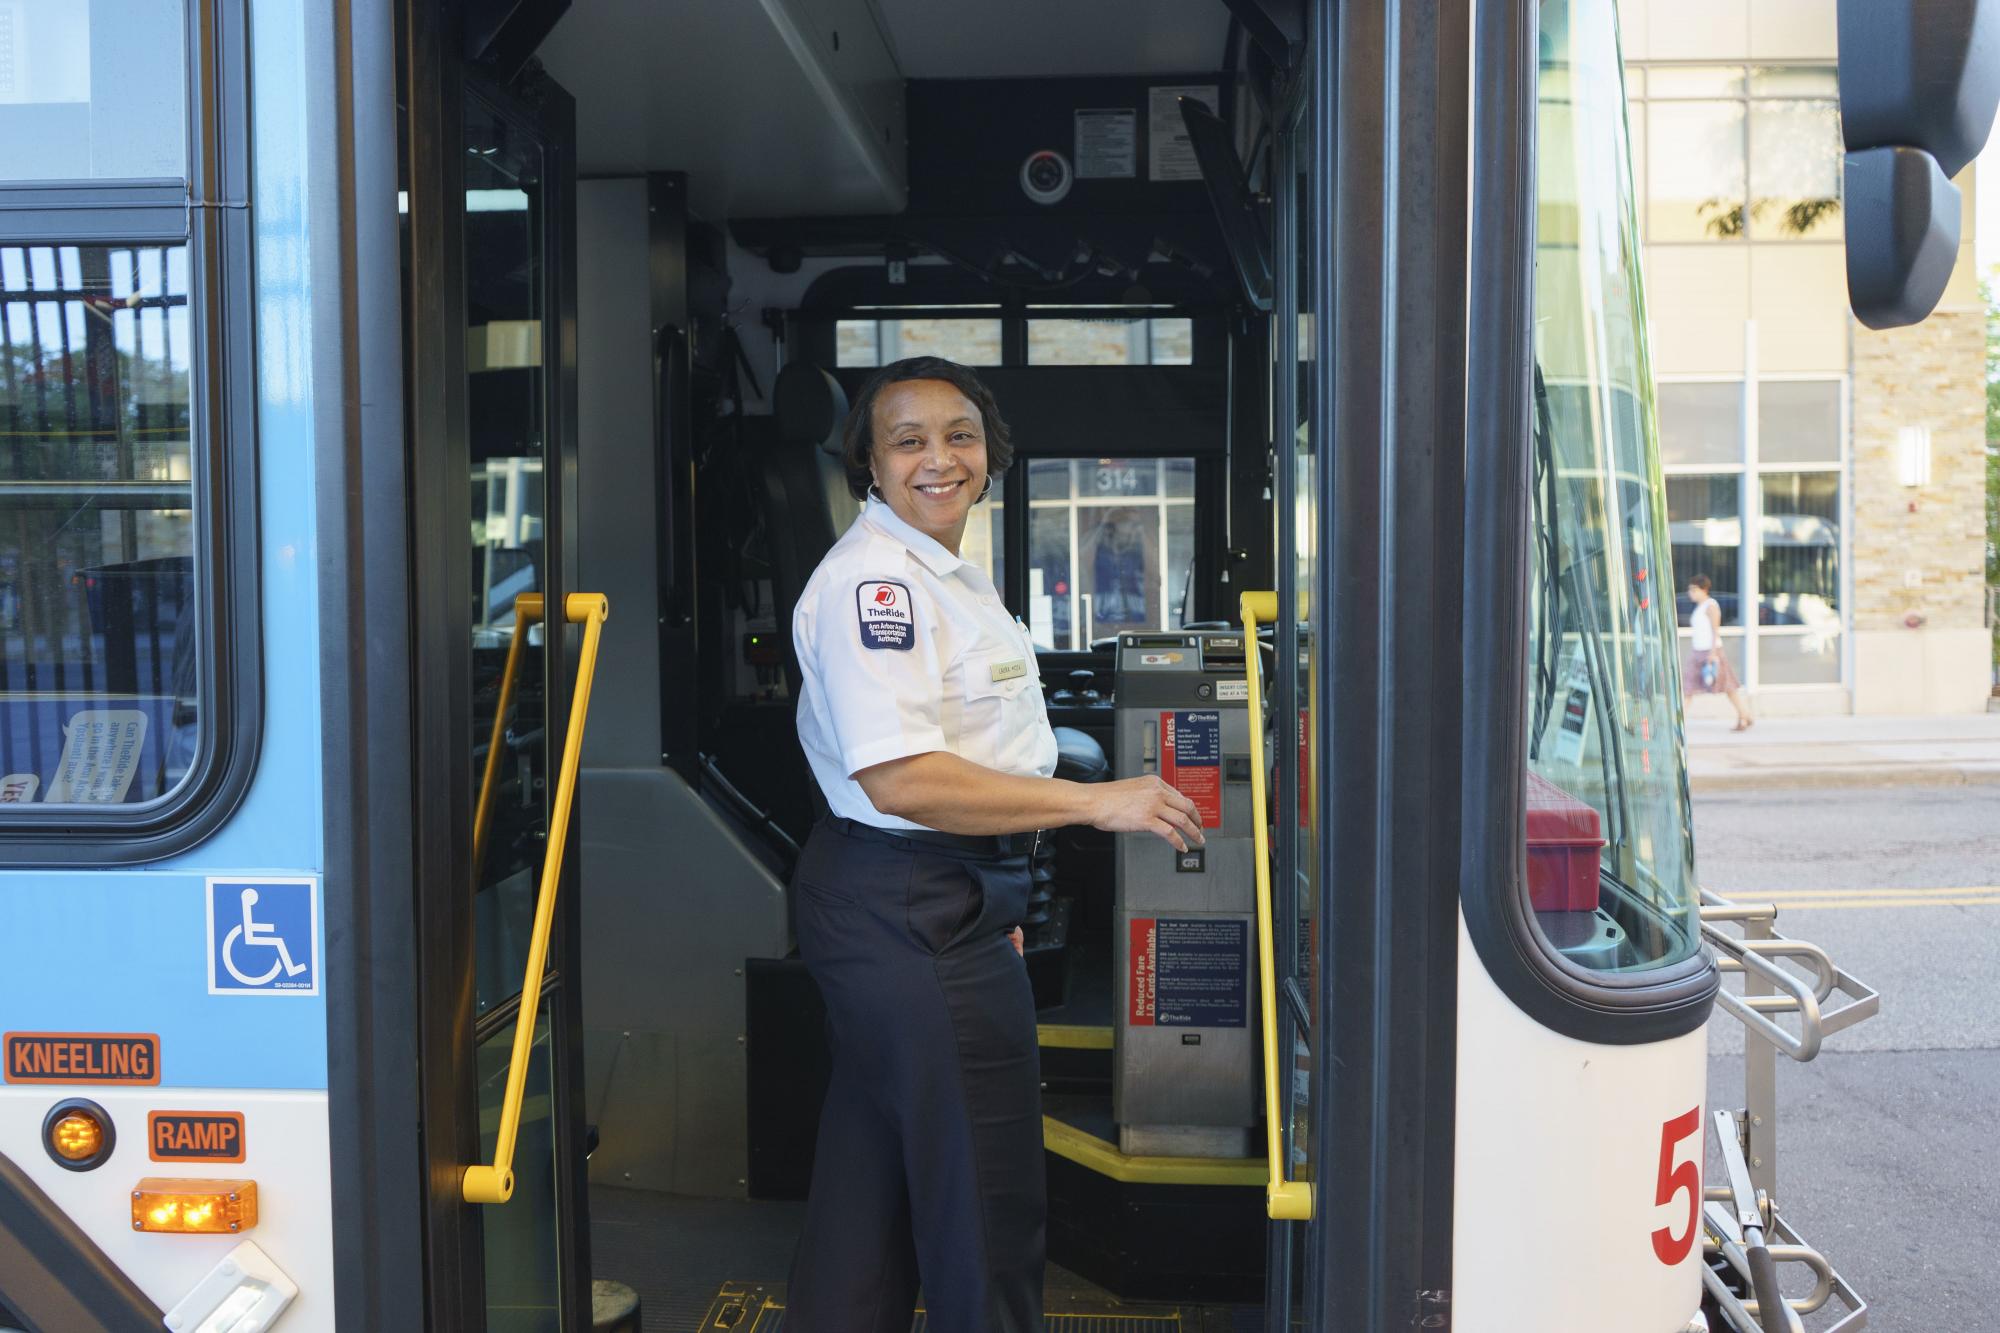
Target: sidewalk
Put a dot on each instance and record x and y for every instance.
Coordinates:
(1845, 752)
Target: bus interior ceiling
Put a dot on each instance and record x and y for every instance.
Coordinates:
(759, 186)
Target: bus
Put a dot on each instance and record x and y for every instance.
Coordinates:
(420, 419)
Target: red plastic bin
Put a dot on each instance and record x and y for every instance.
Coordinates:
(1564, 839)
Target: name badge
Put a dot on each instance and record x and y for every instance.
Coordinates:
(1013, 670)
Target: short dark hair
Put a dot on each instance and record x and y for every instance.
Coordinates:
(858, 437)
(1700, 581)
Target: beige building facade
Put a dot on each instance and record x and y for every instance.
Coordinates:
(1826, 478)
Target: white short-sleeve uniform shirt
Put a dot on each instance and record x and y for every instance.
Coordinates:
(904, 648)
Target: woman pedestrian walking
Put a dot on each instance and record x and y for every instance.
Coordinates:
(1706, 669)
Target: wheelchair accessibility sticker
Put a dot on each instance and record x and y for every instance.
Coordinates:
(263, 936)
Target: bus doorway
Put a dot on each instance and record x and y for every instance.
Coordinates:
(489, 164)
(730, 290)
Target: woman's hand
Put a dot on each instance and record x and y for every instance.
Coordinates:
(1146, 805)
(1019, 941)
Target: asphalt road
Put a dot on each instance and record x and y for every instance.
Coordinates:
(1888, 1161)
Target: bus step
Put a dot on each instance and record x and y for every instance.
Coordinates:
(742, 1307)
(614, 1307)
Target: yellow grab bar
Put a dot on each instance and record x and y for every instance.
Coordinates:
(495, 1183)
(1285, 1200)
(527, 611)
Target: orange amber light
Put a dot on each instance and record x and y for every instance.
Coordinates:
(77, 1137)
(194, 1207)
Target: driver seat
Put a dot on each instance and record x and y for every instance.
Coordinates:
(806, 502)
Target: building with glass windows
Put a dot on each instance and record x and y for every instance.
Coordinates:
(1826, 478)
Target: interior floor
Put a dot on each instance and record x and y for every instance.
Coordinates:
(706, 1265)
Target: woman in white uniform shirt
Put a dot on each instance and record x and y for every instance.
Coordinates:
(921, 713)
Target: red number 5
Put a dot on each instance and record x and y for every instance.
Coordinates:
(1673, 1179)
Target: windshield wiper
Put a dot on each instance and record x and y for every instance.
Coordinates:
(1549, 545)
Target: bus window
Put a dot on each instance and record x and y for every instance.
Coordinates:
(129, 659)
(97, 639)
(971, 341)
(1112, 341)
(85, 94)
(1610, 865)
(1110, 547)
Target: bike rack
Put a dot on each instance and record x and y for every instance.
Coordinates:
(1824, 1000)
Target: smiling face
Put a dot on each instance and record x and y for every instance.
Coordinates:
(929, 456)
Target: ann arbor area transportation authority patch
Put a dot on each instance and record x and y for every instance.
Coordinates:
(887, 619)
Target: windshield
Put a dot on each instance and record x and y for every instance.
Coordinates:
(1610, 855)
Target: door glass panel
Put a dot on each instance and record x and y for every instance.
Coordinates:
(1294, 669)
(1303, 870)
(522, 1281)
(1699, 423)
(1697, 192)
(1798, 560)
(1795, 169)
(1110, 547)
(1798, 421)
(505, 416)
(1705, 523)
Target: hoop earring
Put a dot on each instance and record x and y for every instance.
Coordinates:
(875, 493)
(985, 491)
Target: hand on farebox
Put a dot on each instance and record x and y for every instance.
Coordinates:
(1147, 805)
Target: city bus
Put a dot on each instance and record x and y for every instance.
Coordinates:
(419, 421)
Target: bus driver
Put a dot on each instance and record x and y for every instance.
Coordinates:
(921, 714)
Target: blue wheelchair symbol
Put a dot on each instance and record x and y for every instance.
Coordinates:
(263, 937)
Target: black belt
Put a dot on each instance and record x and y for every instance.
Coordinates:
(979, 844)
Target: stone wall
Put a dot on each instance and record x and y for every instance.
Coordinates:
(1920, 550)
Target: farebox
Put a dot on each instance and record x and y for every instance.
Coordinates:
(1564, 842)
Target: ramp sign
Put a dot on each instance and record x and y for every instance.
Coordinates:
(263, 936)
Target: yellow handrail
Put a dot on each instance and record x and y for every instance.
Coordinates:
(1285, 1200)
(495, 1183)
(527, 611)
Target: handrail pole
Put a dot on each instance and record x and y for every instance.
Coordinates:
(527, 611)
(495, 1183)
(1285, 1200)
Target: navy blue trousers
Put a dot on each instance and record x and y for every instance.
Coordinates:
(929, 1168)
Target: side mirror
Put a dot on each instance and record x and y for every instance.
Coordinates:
(1898, 269)
(1919, 83)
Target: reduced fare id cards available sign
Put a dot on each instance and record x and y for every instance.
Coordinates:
(1191, 972)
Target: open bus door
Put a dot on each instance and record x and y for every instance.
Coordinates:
(489, 174)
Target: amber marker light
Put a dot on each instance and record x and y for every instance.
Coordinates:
(78, 1134)
(77, 1137)
(194, 1207)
